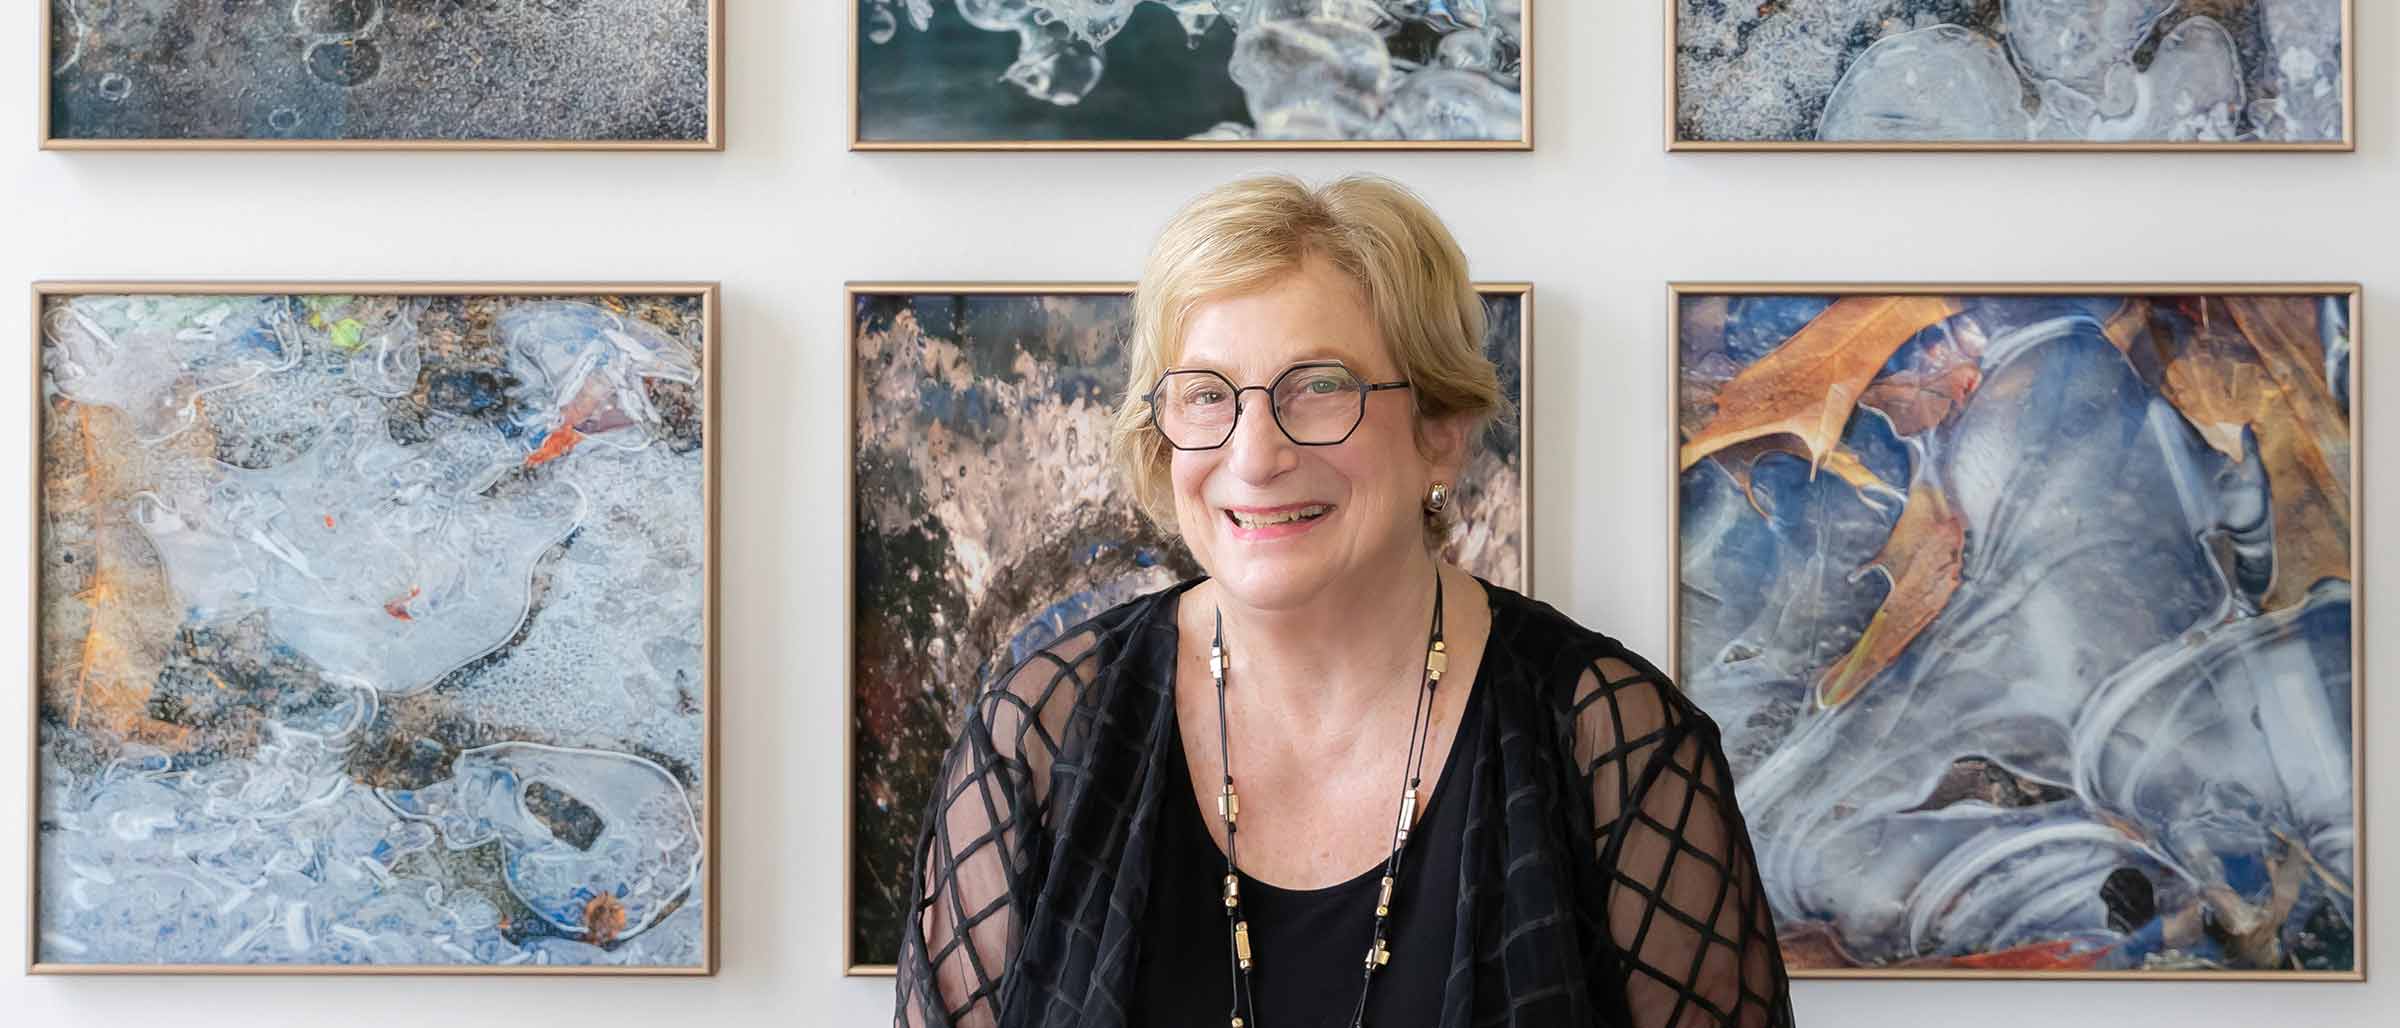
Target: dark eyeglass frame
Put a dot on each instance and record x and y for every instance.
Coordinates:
(1274, 410)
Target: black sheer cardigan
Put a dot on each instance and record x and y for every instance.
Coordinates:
(1605, 876)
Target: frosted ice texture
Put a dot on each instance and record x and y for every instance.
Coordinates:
(376, 561)
(1949, 82)
(1943, 82)
(643, 858)
(158, 356)
(2305, 37)
(2192, 91)
(2079, 43)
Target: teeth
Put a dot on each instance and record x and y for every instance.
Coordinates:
(1285, 517)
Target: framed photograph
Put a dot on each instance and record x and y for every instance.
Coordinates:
(383, 74)
(2030, 615)
(2203, 75)
(374, 629)
(1191, 74)
(986, 519)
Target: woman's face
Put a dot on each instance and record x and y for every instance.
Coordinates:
(1361, 502)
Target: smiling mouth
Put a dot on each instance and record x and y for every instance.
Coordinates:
(1268, 519)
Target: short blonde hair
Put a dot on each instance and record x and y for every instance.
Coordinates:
(1245, 235)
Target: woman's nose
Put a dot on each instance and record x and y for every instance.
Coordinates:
(1258, 450)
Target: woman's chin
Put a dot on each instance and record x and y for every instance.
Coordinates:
(1271, 580)
(1286, 577)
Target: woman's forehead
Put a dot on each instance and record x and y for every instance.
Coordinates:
(1280, 326)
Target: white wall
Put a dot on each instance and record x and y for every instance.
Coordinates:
(1599, 217)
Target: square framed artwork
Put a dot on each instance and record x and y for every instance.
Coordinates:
(382, 75)
(2030, 615)
(374, 629)
(986, 519)
(2196, 75)
(1191, 75)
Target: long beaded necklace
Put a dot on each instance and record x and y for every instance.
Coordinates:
(1229, 808)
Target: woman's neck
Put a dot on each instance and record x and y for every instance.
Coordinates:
(1337, 656)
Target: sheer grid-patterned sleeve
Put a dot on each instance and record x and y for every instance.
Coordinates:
(1691, 939)
(977, 850)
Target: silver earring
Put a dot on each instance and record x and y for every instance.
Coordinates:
(1437, 497)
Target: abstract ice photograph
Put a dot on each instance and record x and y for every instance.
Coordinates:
(1198, 71)
(2028, 621)
(372, 630)
(989, 520)
(2259, 72)
(629, 71)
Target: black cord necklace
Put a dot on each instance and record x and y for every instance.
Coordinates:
(1229, 807)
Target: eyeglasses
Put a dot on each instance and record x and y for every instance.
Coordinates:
(1316, 403)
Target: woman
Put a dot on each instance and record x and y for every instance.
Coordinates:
(1336, 781)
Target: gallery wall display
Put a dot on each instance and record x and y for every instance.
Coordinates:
(1191, 74)
(2011, 74)
(987, 519)
(374, 628)
(383, 74)
(2030, 617)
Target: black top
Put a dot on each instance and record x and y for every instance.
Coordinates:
(1310, 944)
(1603, 875)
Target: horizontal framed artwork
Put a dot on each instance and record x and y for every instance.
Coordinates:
(2199, 75)
(383, 75)
(986, 520)
(374, 629)
(2030, 616)
(1191, 74)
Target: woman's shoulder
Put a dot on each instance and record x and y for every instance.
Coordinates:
(1529, 630)
(1579, 668)
(1139, 631)
(1145, 619)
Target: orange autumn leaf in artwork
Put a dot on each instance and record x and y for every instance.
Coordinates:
(2060, 955)
(2214, 377)
(100, 676)
(603, 919)
(398, 606)
(555, 445)
(1812, 946)
(2255, 362)
(1919, 398)
(2304, 441)
(1809, 386)
(2128, 328)
(115, 677)
(1922, 561)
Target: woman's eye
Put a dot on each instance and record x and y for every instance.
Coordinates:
(1205, 397)
(1322, 386)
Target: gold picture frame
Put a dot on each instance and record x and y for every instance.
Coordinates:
(852, 966)
(45, 137)
(1523, 142)
(707, 293)
(1677, 144)
(2351, 293)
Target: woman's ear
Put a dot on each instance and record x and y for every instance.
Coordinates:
(1446, 446)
